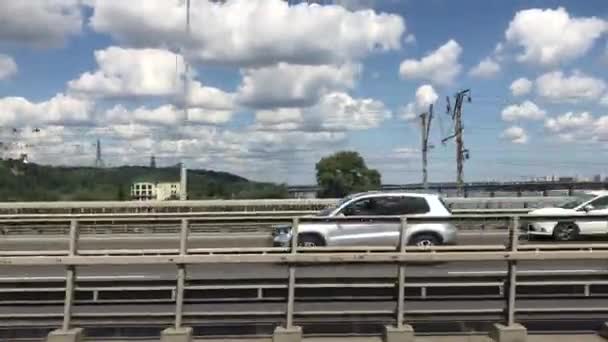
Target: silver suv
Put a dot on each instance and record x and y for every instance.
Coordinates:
(375, 233)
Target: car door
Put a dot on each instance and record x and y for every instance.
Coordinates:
(386, 232)
(357, 232)
(410, 206)
(599, 207)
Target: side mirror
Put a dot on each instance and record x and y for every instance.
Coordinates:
(588, 208)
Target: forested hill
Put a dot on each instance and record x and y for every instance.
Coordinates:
(32, 182)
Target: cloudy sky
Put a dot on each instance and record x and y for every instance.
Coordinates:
(274, 85)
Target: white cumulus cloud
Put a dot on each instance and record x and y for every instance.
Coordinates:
(558, 87)
(165, 115)
(8, 67)
(335, 112)
(521, 86)
(527, 110)
(487, 68)
(251, 32)
(60, 109)
(604, 100)
(39, 23)
(440, 66)
(125, 72)
(569, 122)
(425, 96)
(552, 36)
(515, 134)
(288, 85)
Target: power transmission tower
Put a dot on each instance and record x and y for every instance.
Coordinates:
(152, 162)
(425, 127)
(461, 153)
(98, 160)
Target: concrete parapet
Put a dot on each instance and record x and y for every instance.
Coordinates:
(183, 334)
(399, 334)
(509, 333)
(293, 334)
(60, 335)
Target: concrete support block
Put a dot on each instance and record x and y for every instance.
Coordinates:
(293, 334)
(395, 334)
(183, 334)
(509, 333)
(60, 335)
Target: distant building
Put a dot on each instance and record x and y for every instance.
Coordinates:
(159, 191)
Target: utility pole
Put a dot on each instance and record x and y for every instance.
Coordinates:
(183, 174)
(461, 153)
(98, 160)
(425, 127)
(186, 64)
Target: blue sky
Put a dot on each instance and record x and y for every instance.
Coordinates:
(275, 87)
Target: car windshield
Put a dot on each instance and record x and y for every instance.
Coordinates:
(578, 200)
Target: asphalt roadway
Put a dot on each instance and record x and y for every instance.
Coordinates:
(206, 240)
(235, 271)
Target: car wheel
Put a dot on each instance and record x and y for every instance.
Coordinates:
(425, 240)
(309, 240)
(565, 231)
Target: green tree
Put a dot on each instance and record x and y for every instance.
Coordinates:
(121, 196)
(343, 173)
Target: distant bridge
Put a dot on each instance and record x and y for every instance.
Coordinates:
(564, 188)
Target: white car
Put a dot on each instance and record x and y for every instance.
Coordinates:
(592, 202)
(375, 233)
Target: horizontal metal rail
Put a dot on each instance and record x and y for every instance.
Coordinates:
(194, 218)
(306, 258)
(244, 203)
(214, 214)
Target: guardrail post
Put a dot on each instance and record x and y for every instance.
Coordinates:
(401, 275)
(65, 334)
(179, 333)
(512, 331)
(290, 333)
(512, 282)
(401, 332)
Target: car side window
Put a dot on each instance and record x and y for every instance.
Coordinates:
(600, 203)
(389, 205)
(361, 207)
(412, 205)
(400, 205)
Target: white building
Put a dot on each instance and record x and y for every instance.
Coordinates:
(159, 191)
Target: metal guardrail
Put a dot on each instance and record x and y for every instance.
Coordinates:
(297, 256)
(117, 207)
(201, 222)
